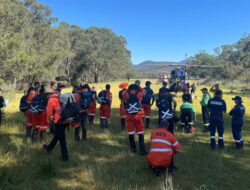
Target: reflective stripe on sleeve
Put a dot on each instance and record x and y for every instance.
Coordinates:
(162, 141)
(160, 150)
(141, 132)
(176, 143)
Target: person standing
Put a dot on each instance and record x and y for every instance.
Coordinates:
(132, 101)
(164, 86)
(193, 89)
(237, 114)
(217, 106)
(2, 105)
(54, 115)
(214, 88)
(92, 108)
(166, 105)
(204, 109)
(105, 99)
(86, 97)
(147, 101)
(123, 87)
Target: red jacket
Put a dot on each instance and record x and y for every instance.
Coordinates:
(53, 107)
(163, 146)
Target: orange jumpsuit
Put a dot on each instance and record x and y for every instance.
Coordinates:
(105, 109)
(134, 121)
(163, 146)
(27, 113)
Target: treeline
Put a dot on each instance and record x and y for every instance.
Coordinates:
(34, 47)
(231, 61)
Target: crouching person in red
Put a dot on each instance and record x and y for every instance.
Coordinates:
(163, 147)
(132, 102)
(54, 115)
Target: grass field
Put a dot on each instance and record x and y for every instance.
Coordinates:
(104, 161)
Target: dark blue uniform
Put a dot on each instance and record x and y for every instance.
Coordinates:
(216, 106)
(237, 114)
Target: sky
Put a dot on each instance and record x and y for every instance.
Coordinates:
(161, 30)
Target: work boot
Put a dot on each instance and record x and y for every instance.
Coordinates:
(237, 145)
(28, 132)
(65, 157)
(77, 131)
(106, 124)
(242, 144)
(147, 123)
(102, 123)
(91, 121)
(33, 136)
(46, 147)
(132, 143)
(143, 151)
(122, 124)
(84, 135)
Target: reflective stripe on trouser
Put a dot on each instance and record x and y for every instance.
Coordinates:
(237, 134)
(215, 124)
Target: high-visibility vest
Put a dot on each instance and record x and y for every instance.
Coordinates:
(163, 146)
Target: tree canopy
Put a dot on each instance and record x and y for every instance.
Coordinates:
(34, 47)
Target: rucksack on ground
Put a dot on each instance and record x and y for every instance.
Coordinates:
(133, 104)
(148, 96)
(101, 98)
(23, 105)
(86, 98)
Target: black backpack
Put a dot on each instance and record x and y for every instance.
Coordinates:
(23, 105)
(2, 102)
(86, 98)
(37, 105)
(101, 98)
(165, 107)
(69, 110)
(148, 96)
(133, 104)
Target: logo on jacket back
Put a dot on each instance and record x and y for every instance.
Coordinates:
(37, 105)
(133, 104)
(101, 98)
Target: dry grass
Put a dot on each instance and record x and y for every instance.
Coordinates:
(104, 162)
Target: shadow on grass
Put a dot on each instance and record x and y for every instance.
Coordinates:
(104, 162)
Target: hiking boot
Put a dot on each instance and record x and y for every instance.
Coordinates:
(132, 143)
(65, 158)
(143, 152)
(77, 138)
(46, 147)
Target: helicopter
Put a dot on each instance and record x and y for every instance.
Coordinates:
(177, 77)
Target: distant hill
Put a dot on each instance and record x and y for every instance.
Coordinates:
(155, 65)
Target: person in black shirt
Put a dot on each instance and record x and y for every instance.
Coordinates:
(2, 104)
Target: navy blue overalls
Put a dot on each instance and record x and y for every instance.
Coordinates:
(237, 114)
(216, 106)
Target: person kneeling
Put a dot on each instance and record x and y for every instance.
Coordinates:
(163, 147)
(187, 115)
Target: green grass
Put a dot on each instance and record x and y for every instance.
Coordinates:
(104, 162)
